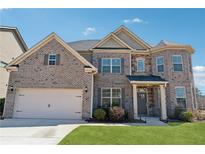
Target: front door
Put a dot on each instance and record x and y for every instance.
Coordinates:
(142, 103)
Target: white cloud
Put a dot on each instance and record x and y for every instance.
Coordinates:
(199, 68)
(89, 30)
(199, 75)
(4, 9)
(135, 20)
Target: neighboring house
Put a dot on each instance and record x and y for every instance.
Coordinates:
(60, 80)
(11, 46)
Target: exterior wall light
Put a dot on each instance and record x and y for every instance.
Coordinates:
(11, 88)
(86, 89)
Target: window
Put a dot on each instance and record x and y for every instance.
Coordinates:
(3, 64)
(160, 64)
(181, 96)
(110, 97)
(52, 59)
(140, 65)
(111, 65)
(177, 62)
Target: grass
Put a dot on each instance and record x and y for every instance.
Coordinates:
(175, 133)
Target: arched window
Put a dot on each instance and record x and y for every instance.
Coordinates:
(140, 64)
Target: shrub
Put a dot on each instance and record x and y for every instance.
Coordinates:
(186, 116)
(2, 100)
(178, 111)
(100, 114)
(116, 114)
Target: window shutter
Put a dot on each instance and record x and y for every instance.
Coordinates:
(122, 66)
(123, 97)
(46, 59)
(99, 98)
(57, 59)
(99, 65)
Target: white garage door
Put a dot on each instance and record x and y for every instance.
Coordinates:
(48, 103)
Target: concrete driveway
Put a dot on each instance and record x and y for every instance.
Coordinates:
(35, 131)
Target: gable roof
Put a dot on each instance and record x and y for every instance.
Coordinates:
(32, 50)
(166, 43)
(15, 31)
(163, 45)
(132, 35)
(82, 45)
(114, 37)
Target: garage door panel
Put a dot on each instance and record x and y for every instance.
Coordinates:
(48, 103)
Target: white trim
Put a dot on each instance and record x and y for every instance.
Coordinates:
(141, 42)
(111, 95)
(177, 63)
(141, 59)
(160, 64)
(51, 59)
(42, 43)
(163, 102)
(172, 47)
(112, 35)
(111, 51)
(135, 103)
(111, 65)
(184, 91)
(185, 97)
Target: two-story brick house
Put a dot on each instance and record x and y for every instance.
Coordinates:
(60, 80)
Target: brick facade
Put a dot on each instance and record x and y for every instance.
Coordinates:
(70, 73)
(33, 73)
(108, 80)
(183, 78)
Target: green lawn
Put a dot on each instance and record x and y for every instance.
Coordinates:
(175, 133)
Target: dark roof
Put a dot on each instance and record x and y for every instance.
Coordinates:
(144, 78)
(83, 45)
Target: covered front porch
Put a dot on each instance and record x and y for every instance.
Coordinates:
(149, 96)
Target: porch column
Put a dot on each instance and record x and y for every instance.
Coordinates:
(135, 101)
(163, 102)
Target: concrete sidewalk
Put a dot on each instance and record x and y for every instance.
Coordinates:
(35, 131)
(51, 132)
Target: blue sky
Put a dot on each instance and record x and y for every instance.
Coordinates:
(185, 26)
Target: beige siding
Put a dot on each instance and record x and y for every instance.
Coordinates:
(111, 43)
(9, 49)
(130, 41)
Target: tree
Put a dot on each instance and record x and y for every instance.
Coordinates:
(200, 99)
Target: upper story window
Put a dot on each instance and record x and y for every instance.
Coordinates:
(52, 59)
(111, 65)
(177, 62)
(180, 92)
(160, 64)
(111, 97)
(140, 64)
(3, 64)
